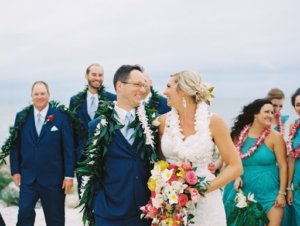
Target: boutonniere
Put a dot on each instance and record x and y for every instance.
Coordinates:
(49, 118)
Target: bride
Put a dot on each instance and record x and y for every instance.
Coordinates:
(189, 132)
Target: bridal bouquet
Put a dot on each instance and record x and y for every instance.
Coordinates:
(175, 191)
(247, 211)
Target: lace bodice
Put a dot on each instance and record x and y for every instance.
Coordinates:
(197, 148)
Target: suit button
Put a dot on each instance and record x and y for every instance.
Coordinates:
(137, 177)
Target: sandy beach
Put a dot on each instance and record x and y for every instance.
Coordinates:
(72, 215)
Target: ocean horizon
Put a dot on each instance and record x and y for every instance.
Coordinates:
(232, 92)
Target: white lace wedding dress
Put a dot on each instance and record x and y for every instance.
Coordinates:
(198, 149)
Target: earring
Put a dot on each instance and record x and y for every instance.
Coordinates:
(183, 102)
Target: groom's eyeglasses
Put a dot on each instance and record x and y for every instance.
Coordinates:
(137, 85)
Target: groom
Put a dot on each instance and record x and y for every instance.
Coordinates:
(123, 189)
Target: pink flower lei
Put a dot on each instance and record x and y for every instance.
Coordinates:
(293, 153)
(257, 143)
(279, 123)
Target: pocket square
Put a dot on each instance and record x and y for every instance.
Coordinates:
(54, 128)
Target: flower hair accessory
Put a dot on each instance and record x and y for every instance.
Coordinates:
(49, 118)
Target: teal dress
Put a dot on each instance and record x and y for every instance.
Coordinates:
(284, 118)
(261, 177)
(295, 213)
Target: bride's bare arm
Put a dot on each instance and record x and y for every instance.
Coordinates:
(162, 120)
(222, 139)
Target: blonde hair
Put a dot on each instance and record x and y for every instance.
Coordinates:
(191, 83)
(275, 93)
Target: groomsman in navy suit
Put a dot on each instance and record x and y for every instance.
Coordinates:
(162, 106)
(123, 190)
(43, 161)
(85, 105)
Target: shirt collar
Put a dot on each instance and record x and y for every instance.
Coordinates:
(42, 112)
(121, 113)
(89, 95)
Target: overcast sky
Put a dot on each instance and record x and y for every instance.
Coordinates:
(58, 39)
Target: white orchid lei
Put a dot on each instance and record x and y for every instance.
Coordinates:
(141, 112)
(91, 168)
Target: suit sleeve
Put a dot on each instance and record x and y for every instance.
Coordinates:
(92, 126)
(15, 153)
(71, 105)
(68, 148)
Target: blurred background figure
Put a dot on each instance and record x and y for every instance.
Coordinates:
(277, 97)
(154, 100)
(85, 104)
(292, 215)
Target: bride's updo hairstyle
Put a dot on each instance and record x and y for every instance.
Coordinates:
(191, 83)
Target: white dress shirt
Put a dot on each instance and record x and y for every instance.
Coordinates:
(43, 114)
(121, 113)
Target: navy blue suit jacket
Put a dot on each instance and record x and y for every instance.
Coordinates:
(47, 158)
(83, 116)
(163, 106)
(123, 189)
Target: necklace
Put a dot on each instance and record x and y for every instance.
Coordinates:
(257, 143)
(279, 123)
(293, 152)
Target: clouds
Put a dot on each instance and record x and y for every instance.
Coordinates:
(60, 38)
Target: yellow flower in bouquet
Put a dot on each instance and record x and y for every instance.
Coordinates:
(175, 192)
(151, 184)
(180, 172)
(163, 165)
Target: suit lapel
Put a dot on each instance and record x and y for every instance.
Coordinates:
(46, 125)
(32, 128)
(86, 115)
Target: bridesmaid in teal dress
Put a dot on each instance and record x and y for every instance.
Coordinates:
(263, 155)
(293, 197)
(277, 97)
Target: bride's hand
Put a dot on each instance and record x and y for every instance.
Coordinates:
(212, 167)
(238, 183)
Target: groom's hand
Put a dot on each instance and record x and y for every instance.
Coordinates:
(67, 185)
(17, 179)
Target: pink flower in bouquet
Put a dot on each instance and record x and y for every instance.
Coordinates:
(182, 199)
(177, 190)
(186, 166)
(173, 178)
(191, 177)
(152, 212)
(172, 166)
(194, 194)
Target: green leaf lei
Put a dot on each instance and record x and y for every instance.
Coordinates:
(79, 99)
(15, 131)
(153, 102)
(81, 96)
(92, 166)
